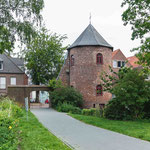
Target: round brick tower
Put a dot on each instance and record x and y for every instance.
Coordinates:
(88, 57)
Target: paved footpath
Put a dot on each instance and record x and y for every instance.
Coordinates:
(82, 136)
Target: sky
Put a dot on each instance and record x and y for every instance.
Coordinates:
(71, 17)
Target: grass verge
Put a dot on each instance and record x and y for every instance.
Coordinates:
(138, 129)
(34, 136)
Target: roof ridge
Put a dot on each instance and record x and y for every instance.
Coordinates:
(93, 33)
(14, 63)
(82, 33)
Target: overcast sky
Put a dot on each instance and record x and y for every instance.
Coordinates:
(71, 17)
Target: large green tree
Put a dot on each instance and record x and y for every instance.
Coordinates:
(18, 19)
(45, 56)
(131, 92)
(137, 14)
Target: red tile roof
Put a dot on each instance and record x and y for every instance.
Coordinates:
(115, 52)
(133, 61)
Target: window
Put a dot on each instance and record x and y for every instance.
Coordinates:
(1, 65)
(2, 83)
(99, 90)
(118, 64)
(72, 60)
(13, 81)
(99, 58)
(114, 63)
(94, 106)
(123, 63)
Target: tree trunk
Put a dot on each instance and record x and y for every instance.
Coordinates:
(37, 97)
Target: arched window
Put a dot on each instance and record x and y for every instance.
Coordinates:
(72, 60)
(99, 58)
(99, 90)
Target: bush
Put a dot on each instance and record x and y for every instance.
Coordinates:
(131, 92)
(115, 111)
(68, 108)
(54, 84)
(146, 110)
(66, 95)
(7, 103)
(93, 112)
(9, 113)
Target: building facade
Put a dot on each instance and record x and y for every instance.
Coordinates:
(87, 58)
(119, 60)
(11, 72)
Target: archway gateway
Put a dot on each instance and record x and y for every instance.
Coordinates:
(20, 92)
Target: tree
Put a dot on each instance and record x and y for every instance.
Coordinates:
(44, 57)
(137, 15)
(131, 92)
(17, 20)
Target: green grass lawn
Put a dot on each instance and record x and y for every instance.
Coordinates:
(139, 129)
(36, 137)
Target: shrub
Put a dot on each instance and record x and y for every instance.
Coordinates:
(92, 112)
(54, 84)
(115, 111)
(146, 110)
(9, 113)
(131, 92)
(68, 108)
(7, 103)
(66, 95)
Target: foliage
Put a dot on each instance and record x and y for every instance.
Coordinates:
(93, 112)
(111, 79)
(17, 21)
(66, 95)
(9, 133)
(146, 109)
(16, 132)
(131, 92)
(137, 15)
(55, 84)
(44, 57)
(138, 129)
(68, 108)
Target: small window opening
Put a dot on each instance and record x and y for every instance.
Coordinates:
(99, 90)
(1, 65)
(94, 106)
(99, 58)
(72, 60)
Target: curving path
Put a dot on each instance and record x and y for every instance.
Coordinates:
(82, 136)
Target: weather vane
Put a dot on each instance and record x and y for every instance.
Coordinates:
(90, 18)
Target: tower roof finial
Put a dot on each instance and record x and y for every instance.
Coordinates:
(90, 18)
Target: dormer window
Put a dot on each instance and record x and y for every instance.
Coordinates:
(99, 58)
(1, 64)
(72, 60)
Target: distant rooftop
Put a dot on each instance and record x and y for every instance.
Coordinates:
(133, 61)
(90, 37)
(11, 65)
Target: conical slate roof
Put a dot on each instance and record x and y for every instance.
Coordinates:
(90, 37)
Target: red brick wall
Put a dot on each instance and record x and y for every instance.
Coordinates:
(21, 79)
(85, 74)
(64, 73)
(25, 79)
